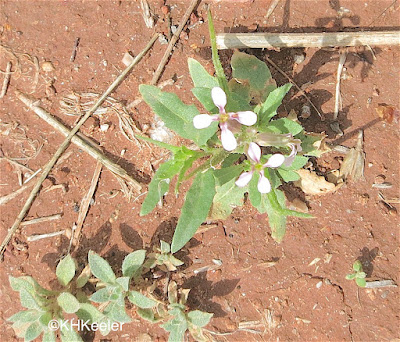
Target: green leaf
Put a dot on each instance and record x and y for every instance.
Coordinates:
(311, 144)
(288, 175)
(226, 174)
(29, 284)
(241, 89)
(29, 301)
(49, 336)
(249, 70)
(357, 266)
(176, 328)
(117, 312)
(276, 220)
(25, 316)
(195, 209)
(20, 328)
(133, 262)
(65, 270)
(350, 276)
(146, 314)
(200, 76)
(45, 318)
(361, 275)
(219, 70)
(172, 148)
(88, 312)
(199, 318)
(204, 96)
(361, 282)
(269, 107)
(124, 282)
(141, 301)
(101, 268)
(298, 163)
(283, 125)
(226, 198)
(176, 115)
(103, 295)
(33, 331)
(83, 278)
(165, 247)
(68, 302)
(159, 185)
(68, 334)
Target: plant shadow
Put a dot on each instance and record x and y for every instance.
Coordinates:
(366, 258)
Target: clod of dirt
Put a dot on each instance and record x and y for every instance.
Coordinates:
(298, 205)
(48, 66)
(387, 112)
(314, 185)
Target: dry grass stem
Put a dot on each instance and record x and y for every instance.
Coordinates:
(41, 219)
(84, 207)
(67, 141)
(6, 81)
(16, 164)
(7, 198)
(172, 42)
(271, 8)
(261, 40)
(36, 237)
(338, 97)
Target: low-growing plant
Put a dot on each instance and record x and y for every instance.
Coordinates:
(241, 147)
(105, 309)
(358, 275)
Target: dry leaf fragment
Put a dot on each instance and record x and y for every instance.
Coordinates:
(387, 112)
(353, 164)
(312, 184)
(146, 13)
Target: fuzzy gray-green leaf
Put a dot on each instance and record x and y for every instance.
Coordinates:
(65, 270)
(68, 302)
(100, 268)
(133, 262)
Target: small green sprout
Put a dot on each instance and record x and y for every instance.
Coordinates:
(359, 275)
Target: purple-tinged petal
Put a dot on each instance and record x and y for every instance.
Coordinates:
(219, 98)
(203, 120)
(263, 186)
(289, 159)
(275, 160)
(254, 152)
(244, 179)
(227, 138)
(247, 118)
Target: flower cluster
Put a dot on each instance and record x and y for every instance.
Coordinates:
(228, 123)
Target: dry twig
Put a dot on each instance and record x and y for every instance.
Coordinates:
(86, 203)
(41, 219)
(172, 42)
(65, 144)
(338, 97)
(271, 8)
(6, 81)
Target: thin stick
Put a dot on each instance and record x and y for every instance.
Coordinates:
(86, 203)
(6, 81)
(271, 8)
(36, 237)
(80, 140)
(342, 59)
(75, 48)
(302, 92)
(41, 219)
(65, 144)
(18, 165)
(172, 42)
(261, 40)
(7, 198)
(380, 283)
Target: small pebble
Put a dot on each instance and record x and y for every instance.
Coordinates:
(305, 111)
(380, 179)
(298, 59)
(165, 9)
(127, 59)
(319, 284)
(104, 127)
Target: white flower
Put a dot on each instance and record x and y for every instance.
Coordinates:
(228, 140)
(254, 153)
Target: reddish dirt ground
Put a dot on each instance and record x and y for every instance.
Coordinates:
(289, 301)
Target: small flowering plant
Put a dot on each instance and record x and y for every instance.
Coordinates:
(241, 146)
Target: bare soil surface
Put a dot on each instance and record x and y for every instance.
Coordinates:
(292, 291)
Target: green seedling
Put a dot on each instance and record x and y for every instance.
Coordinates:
(106, 307)
(358, 275)
(241, 146)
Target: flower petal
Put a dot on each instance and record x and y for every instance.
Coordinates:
(244, 179)
(254, 152)
(247, 118)
(264, 186)
(203, 121)
(275, 160)
(219, 98)
(289, 159)
(228, 139)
